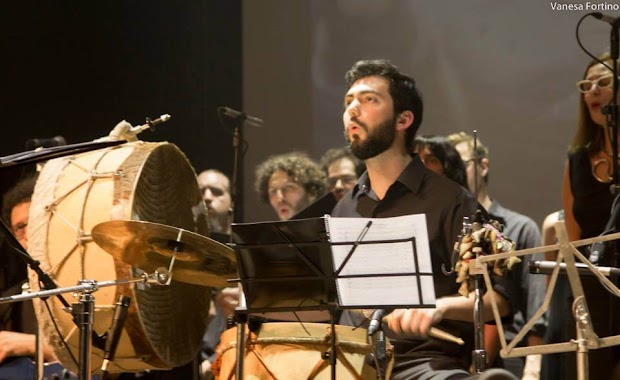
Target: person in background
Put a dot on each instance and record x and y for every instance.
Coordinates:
(524, 232)
(289, 183)
(342, 169)
(17, 320)
(215, 188)
(587, 204)
(441, 157)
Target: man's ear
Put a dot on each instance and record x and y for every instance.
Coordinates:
(484, 165)
(404, 121)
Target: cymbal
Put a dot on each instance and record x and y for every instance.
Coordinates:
(149, 246)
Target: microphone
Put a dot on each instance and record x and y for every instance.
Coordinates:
(234, 114)
(547, 267)
(597, 250)
(150, 124)
(613, 21)
(375, 321)
(114, 334)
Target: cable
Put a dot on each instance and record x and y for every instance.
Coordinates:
(62, 339)
(581, 45)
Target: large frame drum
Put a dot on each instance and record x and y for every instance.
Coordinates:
(140, 181)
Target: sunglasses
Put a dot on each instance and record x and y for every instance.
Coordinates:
(587, 85)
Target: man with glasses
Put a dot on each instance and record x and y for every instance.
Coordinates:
(289, 183)
(525, 233)
(343, 170)
(17, 320)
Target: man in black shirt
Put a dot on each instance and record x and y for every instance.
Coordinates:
(383, 111)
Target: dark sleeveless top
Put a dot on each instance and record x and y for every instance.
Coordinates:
(591, 208)
(592, 199)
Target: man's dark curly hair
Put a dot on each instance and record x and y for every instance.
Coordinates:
(335, 154)
(402, 89)
(301, 168)
(20, 193)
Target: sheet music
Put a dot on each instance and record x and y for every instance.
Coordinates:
(383, 258)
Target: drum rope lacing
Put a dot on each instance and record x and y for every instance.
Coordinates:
(82, 238)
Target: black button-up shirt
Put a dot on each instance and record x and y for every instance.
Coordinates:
(421, 191)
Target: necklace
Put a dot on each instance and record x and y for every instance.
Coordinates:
(606, 164)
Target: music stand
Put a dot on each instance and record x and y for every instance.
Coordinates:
(290, 266)
(587, 339)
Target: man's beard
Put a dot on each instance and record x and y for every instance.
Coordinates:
(218, 223)
(377, 141)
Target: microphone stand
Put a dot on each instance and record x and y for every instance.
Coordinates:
(234, 214)
(45, 154)
(613, 224)
(380, 353)
(479, 355)
(236, 209)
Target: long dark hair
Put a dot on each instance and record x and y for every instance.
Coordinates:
(589, 135)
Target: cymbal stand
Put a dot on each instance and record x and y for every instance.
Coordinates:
(83, 311)
(177, 246)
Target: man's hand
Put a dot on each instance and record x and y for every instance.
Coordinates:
(412, 323)
(16, 344)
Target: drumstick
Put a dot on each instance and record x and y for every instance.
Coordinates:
(440, 334)
(434, 332)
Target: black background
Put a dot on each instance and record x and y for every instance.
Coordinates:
(76, 68)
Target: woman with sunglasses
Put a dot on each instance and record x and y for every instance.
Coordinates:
(587, 201)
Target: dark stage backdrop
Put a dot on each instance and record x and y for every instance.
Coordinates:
(76, 68)
(506, 68)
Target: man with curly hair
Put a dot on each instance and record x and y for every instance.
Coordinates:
(289, 183)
